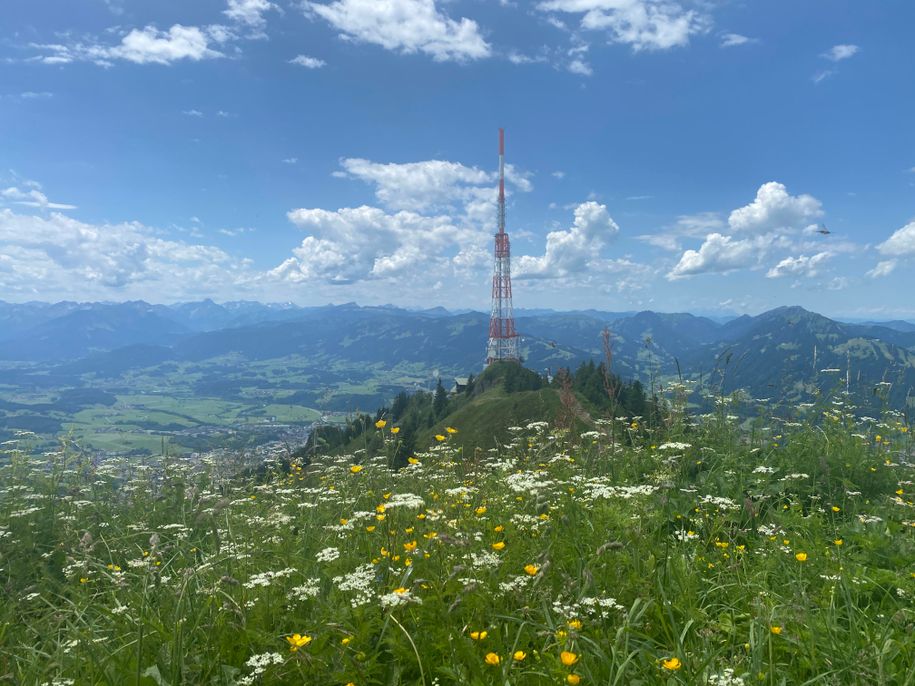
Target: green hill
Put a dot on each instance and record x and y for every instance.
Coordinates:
(484, 415)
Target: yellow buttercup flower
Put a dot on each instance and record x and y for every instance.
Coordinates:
(480, 511)
(492, 659)
(775, 630)
(835, 508)
(451, 429)
(440, 438)
(371, 528)
(801, 557)
(479, 635)
(519, 655)
(412, 460)
(409, 547)
(380, 424)
(346, 640)
(838, 541)
(672, 664)
(498, 545)
(568, 658)
(356, 468)
(531, 569)
(499, 529)
(574, 624)
(573, 679)
(297, 641)
(395, 430)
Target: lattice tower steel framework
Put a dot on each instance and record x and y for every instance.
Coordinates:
(503, 338)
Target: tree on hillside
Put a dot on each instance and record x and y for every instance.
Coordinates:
(440, 401)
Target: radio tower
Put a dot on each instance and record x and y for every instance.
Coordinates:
(503, 339)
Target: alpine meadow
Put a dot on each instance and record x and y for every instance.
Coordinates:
(457, 343)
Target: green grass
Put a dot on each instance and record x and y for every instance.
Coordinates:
(687, 553)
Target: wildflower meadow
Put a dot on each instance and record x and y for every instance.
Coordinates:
(704, 550)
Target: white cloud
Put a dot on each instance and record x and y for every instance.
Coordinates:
(575, 251)
(366, 243)
(901, 243)
(32, 198)
(249, 12)
(291, 160)
(731, 40)
(407, 26)
(307, 62)
(520, 58)
(141, 46)
(719, 253)
(686, 226)
(148, 45)
(837, 53)
(767, 223)
(883, 268)
(643, 24)
(69, 258)
(432, 184)
(580, 67)
(802, 265)
(559, 174)
(775, 209)
(822, 75)
(192, 113)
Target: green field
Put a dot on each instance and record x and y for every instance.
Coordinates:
(215, 396)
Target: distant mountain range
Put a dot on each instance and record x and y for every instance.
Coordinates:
(780, 354)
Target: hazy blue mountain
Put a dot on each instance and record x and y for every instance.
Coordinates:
(17, 318)
(772, 353)
(88, 329)
(206, 315)
(784, 353)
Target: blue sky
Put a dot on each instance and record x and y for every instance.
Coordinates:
(676, 155)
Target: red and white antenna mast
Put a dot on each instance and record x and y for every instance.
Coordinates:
(503, 338)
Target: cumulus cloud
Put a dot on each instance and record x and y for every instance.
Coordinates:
(573, 251)
(307, 62)
(718, 253)
(148, 45)
(775, 209)
(642, 24)
(883, 268)
(407, 26)
(580, 67)
(803, 265)
(69, 258)
(365, 243)
(901, 243)
(837, 53)
(686, 226)
(757, 230)
(249, 12)
(435, 185)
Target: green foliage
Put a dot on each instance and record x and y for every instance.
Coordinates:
(773, 553)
